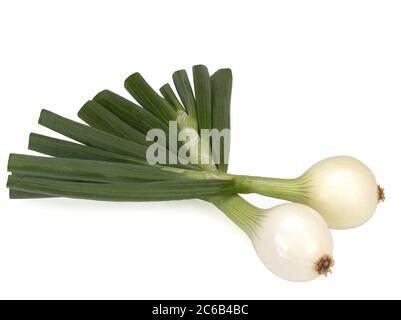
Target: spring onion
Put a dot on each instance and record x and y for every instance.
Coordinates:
(292, 240)
(109, 163)
(342, 189)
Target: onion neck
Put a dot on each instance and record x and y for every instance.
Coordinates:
(295, 190)
(241, 212)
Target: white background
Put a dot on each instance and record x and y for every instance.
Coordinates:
(311, 79)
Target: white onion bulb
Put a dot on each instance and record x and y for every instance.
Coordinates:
(294, 242)
(343, 190)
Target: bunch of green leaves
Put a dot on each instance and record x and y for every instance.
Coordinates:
(108, 159)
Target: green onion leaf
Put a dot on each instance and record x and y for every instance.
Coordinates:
(150, 191)
(91, 136)
(134, 115)
(86, 170)
(17, 194)
(221, 99)
(100, 118)
(148, 98)
(66, 149)
(184, 89)
(168, 94)
(203, 96)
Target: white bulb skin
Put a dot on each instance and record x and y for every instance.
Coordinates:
(293, 241)
(343, 190)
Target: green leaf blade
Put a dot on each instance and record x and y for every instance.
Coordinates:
(148, 98)
(184, 89)
(17, 194)
(221, 84)
(134, 115)
(95, 115)
(150, 191)
(203, 96)
(67, 149)
(168, 94)
(86, 170)
(91, 136)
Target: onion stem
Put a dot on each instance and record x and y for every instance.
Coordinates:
(242, 213)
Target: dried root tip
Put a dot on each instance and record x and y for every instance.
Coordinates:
(380, 194)
(324, 265)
